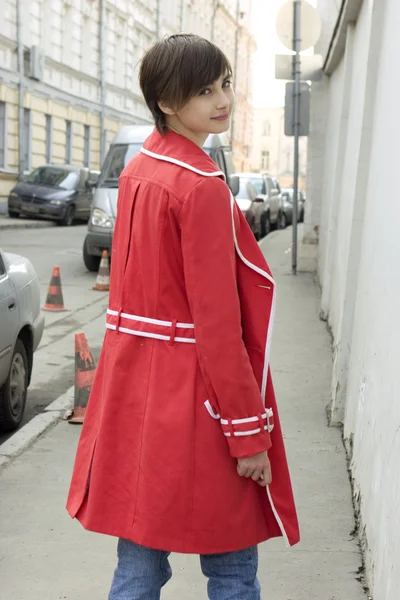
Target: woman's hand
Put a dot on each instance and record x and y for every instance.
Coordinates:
(257, 467)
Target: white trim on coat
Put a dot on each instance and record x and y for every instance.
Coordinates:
(208, 406)
(268, 414)
(250, 432)
(115, 313)
(175, 161)
(156, 336)
(278, 519)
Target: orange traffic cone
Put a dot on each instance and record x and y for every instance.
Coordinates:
(103, 276)
(54, 300)
(85, 369)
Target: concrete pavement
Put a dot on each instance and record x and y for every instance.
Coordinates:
(46, 556)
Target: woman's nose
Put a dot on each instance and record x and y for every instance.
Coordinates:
(223, 100)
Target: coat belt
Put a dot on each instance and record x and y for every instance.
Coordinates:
(169, 331)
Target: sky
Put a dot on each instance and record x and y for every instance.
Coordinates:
(267, 91)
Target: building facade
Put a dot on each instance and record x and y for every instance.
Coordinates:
(353, 205)
(272, 151)
(69, 72)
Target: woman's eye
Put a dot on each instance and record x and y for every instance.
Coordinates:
(205, 92)
(227, 83)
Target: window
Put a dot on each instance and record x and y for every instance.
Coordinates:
(117, 158)
(54, 176)
(248, 184)
(220, 160)
(68, 142)
(3, 135)
(103, 148)
(26, 141)
(267, 128)
(86, 147)
(270, 186)
(265, 160)
(49, 138)
(3, 271)
(288, 162)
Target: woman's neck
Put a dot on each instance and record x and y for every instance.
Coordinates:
(175, 125)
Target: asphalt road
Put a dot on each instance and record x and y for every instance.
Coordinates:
(53, 367)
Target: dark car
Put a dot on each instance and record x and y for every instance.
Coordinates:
(286, 212)
(61, 193)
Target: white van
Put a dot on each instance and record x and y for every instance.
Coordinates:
(125, 145)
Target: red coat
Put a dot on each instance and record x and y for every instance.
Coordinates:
(176, 398)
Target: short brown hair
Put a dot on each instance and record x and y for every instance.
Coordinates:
(176, 69)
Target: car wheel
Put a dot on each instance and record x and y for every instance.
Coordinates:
(69, 216)
(91, 262)
(12, 214)
(282, 221)
(265, 225)
(13, 393)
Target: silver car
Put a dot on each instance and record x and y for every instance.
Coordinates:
(21, 329)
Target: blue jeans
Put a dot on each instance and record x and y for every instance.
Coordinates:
(142, 572)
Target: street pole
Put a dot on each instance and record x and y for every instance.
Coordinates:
(296, 104)
(102, 39)
(235, 65)
(21, 91)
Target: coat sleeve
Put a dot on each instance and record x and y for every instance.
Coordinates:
(209, 259)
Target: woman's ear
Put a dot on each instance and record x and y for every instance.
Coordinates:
(167, 110)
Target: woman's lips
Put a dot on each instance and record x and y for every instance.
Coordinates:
(221, 118)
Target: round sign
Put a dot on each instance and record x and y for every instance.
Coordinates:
(310, 25)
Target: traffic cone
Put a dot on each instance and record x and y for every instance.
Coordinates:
(85, 369)
(54, 300)
(103, 277)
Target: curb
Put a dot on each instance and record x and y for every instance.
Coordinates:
(5, 224)
(29, 433)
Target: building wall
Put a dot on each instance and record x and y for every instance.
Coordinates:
(272, 151)
(358, 249)
(66, 35)
(242, 129)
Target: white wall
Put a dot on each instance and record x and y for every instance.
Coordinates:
(319, 106)
(358, 266)
(373, 407)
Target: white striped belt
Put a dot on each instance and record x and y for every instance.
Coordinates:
(150, 328)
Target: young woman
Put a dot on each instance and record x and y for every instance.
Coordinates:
(181, 449)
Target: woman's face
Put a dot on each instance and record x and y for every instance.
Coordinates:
(207, 112)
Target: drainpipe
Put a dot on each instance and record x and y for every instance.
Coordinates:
(215, 9)
(102, 80)
(181, 15)
(235, 64)
(20, 50)
(158, 20)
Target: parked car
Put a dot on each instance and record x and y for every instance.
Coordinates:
(62, 193)
(125, 145)
(21, 329)
(286, 213)
(259, 198)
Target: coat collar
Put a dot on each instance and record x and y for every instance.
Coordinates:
(174, 148)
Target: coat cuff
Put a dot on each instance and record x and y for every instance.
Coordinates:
(246, 436)
(249, 436)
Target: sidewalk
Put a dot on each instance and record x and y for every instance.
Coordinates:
(44, 555)
(22, 223)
